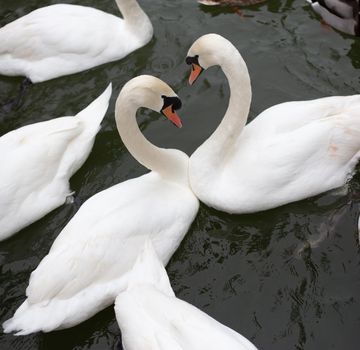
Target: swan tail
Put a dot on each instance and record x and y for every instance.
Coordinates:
(26, 320)
(148, 269)
(56, 313)
(44, 317)
(94, 113)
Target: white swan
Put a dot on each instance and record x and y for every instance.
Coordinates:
(150, 316)
(291, 151)
(87, 264)
(343, 15)
(38, 161)
(64, 39)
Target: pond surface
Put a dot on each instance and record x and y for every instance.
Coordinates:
(286, 279)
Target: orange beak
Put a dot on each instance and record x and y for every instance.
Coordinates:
(172, 116)
(195, 72)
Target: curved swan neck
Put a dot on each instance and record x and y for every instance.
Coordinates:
(236, 72)
(134, 16)
(170, 164)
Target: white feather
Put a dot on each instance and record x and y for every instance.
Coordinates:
(40, 159)
(87, 265)
(64, 39)
(150, 316)
(291, 151)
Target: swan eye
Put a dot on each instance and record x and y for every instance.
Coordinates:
(174, 102)
(192, 60)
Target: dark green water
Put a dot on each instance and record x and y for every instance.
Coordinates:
(255, 273)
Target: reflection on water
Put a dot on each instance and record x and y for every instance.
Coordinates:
(287, 278)
(219, 10)
(354, 53)
(247, 272)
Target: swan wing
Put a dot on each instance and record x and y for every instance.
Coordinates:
(33, 153)
(271, 170)
(324, 147)
(56, 29)
(40, 158)
(32, 156)
(289, 116)
(35, 150)
(103, 239)
(62, 39)
(290, 152)
(323, 133)
(151, 320)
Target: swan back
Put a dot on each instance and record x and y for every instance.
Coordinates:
(90, 119)
(40, 160)
(136, 20)
(149, 270)
(63, 39)
(152, 318)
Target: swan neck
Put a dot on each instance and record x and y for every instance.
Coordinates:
(237, 112)
(134, 16)
(170, 164)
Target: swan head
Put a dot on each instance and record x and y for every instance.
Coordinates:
(150, 92)
(207, 51)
